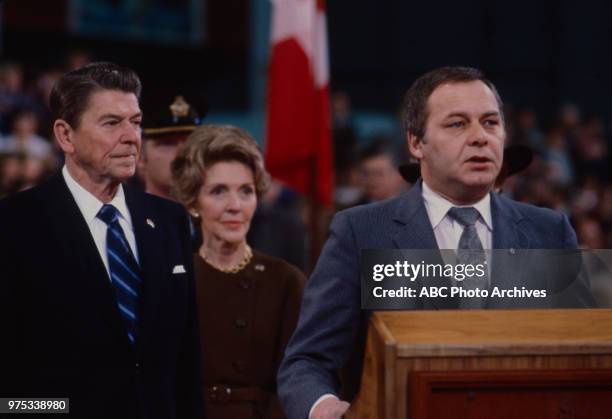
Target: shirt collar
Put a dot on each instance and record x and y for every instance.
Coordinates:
(437, 207)
(89, 204)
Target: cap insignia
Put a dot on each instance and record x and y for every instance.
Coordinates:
(179, 108)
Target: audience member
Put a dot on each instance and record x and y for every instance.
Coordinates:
(23, 137)
(556, 156)
(12, 96)
(379, 177)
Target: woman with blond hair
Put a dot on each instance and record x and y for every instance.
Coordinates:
(248, 302)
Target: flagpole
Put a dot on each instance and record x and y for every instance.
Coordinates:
(315, 216)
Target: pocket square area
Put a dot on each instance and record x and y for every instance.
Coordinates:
(178, 269)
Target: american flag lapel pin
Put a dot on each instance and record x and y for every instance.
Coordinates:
(150, 223)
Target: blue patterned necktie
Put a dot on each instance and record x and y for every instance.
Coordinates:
(124, 270)
(469, 252)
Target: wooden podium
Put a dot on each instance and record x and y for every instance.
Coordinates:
(502, 364)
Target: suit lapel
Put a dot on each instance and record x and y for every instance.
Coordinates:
(506, 268)
(149, 239)
(86, 277)
(506, 234)
(415, 232)
(67, 220)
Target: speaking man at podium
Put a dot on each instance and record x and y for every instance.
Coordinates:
(454, 124)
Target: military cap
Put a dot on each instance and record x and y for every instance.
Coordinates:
(176, 118)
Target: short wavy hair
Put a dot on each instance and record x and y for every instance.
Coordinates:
(210, 144)
(71, 93)
(414, 108)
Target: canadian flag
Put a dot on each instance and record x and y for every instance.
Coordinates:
(298, 145)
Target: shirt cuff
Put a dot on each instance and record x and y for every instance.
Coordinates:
(319, 400)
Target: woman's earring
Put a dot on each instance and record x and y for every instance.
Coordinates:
(194, 214)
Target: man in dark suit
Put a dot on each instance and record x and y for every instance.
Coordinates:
(455, 128)
(96, 285)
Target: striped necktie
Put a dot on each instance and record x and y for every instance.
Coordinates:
(124, 270)
(469, 252)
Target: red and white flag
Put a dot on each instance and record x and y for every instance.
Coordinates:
(298, 143)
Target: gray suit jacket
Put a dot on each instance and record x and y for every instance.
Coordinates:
(332, 327)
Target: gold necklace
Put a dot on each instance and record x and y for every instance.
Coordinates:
(248, 255)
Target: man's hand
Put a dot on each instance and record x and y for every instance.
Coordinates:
(330, 408)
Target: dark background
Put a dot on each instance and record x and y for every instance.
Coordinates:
(539, 53)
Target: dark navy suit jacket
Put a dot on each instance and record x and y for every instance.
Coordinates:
(62, 333)
(331, 330)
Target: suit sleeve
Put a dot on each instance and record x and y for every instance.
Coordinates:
(8, 319)
(328, 325)
(577, 294)
(570, 241)
(189, 377)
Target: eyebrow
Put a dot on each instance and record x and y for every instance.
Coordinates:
(466, 116)
(228, 184)
(115, 116)
(491, 113)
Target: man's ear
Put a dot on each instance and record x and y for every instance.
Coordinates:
(64, 134)
(415, 145)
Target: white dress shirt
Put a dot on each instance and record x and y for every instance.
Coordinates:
(89, 206)
(448, 231)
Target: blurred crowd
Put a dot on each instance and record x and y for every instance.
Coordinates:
(569, 173)
(28, 153)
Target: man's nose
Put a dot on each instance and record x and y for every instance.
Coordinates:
(478, 135)
(131, 132)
